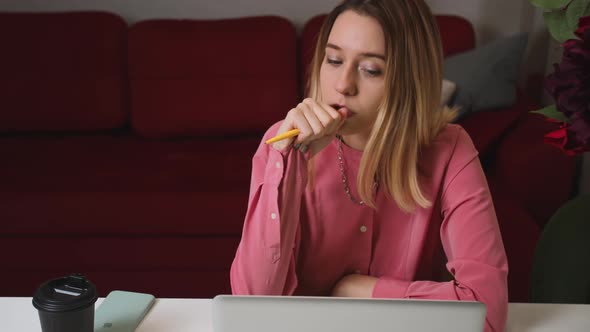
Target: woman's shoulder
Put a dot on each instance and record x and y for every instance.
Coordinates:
(451, 137)
(452, 142)
(450, 133)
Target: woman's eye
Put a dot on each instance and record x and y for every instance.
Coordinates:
(333, 61)
(372, 72)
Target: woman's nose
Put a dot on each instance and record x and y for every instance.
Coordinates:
(346, 83)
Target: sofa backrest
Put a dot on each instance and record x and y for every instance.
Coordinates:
(80, 71)
(211, 77)
(62, 71)
(457, 35)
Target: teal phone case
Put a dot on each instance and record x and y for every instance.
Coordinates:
(122, 311)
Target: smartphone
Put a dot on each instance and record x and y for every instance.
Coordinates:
(122, 311)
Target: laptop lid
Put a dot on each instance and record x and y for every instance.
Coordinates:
(327, 314)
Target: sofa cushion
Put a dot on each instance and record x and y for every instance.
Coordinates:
(211, 77)
(102, 184)
(62, 71)
(447, 92)
(166, 266)
(456, 33)
(486, 77)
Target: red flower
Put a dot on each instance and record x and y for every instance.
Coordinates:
(564, 139)
(570, 87)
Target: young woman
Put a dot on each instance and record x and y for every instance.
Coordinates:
(377, 184)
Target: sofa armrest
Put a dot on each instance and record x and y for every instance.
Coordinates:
(539, 176)
(520, 234)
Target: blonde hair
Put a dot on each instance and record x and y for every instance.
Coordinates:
(410, 115)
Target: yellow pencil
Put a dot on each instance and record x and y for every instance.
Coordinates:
(288, 134)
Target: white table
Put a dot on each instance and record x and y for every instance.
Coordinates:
(192, 315)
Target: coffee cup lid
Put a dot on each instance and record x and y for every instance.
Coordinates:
(65, 294)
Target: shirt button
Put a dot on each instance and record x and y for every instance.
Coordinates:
(278, 164)
(363, 228)
(273, 216)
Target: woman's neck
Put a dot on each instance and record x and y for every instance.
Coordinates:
(356, 141)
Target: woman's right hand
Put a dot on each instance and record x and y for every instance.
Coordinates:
(317, 123)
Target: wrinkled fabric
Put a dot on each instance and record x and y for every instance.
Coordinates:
(302, 233)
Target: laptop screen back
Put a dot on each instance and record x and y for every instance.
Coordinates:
(326, 314)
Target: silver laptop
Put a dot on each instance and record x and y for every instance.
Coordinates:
(329, 314)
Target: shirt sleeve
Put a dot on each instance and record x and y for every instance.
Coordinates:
(264, 263)
(472, 242)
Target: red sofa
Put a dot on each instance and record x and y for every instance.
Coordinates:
(126, 151)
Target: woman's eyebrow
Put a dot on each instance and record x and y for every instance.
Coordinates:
(366, 54)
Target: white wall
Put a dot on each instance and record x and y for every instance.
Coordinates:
(492, 18)
(501, 18)
(297, 11)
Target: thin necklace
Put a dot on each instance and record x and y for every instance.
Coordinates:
(343, 173)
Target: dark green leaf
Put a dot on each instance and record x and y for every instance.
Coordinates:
(558, 27)
(552, 113)
(550, 4)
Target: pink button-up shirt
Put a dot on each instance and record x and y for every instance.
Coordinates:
(301, 240)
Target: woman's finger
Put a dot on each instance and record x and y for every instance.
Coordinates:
(316, 125)
(328, 116)
(297, 117)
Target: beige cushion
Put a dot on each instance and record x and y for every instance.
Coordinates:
(448, 89)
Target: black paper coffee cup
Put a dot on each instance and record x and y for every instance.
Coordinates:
(66, 304)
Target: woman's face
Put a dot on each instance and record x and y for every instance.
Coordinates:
(352, 74)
